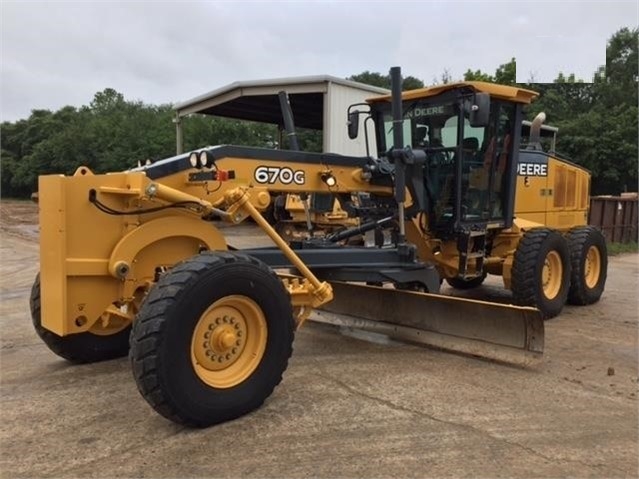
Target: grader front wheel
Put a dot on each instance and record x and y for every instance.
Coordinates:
(106, 340)
(541, 271)
(213, 339)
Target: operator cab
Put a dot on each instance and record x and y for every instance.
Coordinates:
(471, 164)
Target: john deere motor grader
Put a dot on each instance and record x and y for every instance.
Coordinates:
(134, 261)
(538, 241)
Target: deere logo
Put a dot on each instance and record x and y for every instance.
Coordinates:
(426, 111)
(532, 169)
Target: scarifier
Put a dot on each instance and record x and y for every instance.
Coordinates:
(136, 262)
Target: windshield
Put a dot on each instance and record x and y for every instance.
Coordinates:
(480, 157)
(429, 126)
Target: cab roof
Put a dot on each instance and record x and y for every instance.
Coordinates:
(501, 92)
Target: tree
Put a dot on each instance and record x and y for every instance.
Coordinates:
(598, 121)
(106, 100)
(619, 82)
(478, 75)
(383, 81)
(412, 83)
(110, 134)
(506, 74)
(371, 78)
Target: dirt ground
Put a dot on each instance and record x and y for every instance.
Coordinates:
(346, 407)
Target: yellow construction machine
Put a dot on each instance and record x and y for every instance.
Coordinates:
(493, 206)
(136, 262)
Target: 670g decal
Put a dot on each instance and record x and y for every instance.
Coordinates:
(272, 174)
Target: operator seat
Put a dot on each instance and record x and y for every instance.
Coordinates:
(470, 143)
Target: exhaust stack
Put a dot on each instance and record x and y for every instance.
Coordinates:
(534, 142)
(287, 117)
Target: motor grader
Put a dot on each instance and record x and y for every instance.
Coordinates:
(551, 199)
(136, 262)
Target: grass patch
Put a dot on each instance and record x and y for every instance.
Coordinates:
(619, 248)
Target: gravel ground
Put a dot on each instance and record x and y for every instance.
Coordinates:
(346, 407)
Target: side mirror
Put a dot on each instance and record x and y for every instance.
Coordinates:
(353, 124)
(479, 110)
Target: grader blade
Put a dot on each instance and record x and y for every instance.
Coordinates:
(495, 331)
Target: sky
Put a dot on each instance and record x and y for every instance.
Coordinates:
(55, 54)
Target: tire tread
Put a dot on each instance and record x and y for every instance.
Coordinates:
(524, 282)
(577, 238)
(75, 348)
(148, 326)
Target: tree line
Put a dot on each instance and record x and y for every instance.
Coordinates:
(597, 121)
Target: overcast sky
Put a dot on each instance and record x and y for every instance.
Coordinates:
(61, 53)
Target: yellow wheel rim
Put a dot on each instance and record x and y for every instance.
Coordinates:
(229, 341)
(592, 268)
(551, 275)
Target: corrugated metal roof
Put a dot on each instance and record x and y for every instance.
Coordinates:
(257, 100)
(277, 84)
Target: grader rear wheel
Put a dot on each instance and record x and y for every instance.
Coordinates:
(107, 339)
(213, 339)
(589, 260)
(541, 271)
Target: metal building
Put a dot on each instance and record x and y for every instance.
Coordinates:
(318, 102)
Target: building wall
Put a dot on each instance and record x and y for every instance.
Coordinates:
(336, 102)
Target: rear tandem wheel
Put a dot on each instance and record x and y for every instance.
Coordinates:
(541, 271)
(589, 260)
(212, 339)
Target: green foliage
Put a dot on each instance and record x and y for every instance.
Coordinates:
(478, 75)
(505, 74)
(619, 83)
(372, 78)
(383, 81)
(111, 134)
(598, 121)
(411, 83)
